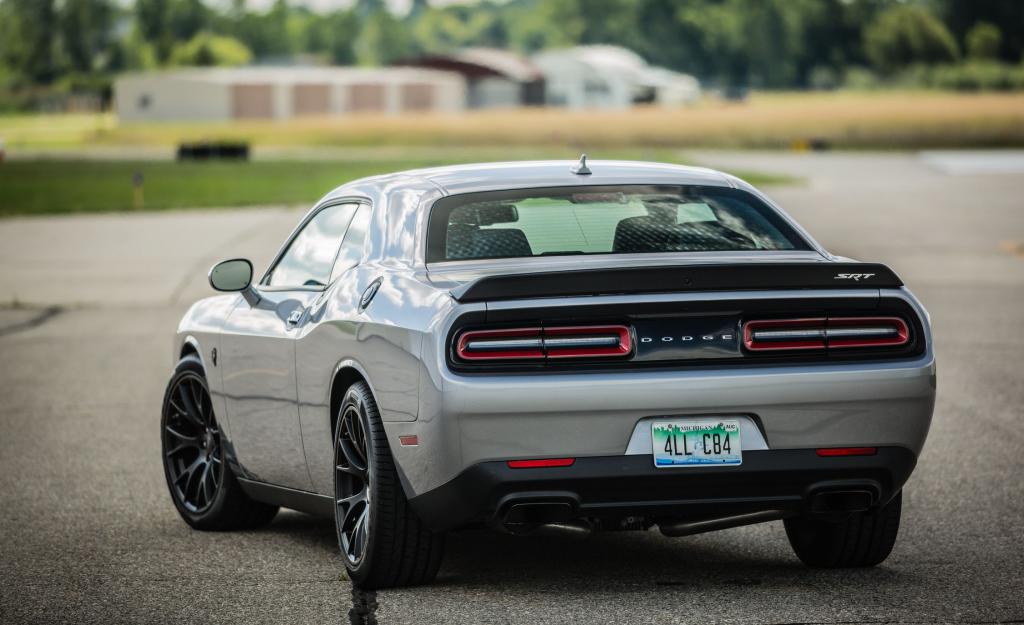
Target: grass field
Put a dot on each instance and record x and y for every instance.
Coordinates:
(906, 120)
(40, 187)
(99, 156)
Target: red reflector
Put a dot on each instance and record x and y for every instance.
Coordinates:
(544, 462)
(830, 452)
(409, 441)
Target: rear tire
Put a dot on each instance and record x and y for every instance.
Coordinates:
(382, 541)
(204, 490)
(862, 539)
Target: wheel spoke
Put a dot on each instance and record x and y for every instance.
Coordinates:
(352, 500)
(178, 435)
(191, 413)
(202, 482)
(197, 399)
(359, 533)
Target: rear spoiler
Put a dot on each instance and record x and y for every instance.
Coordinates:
(732, 277)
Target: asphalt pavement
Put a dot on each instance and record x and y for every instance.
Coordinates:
(88, 533)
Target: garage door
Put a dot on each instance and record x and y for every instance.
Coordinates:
(252, 101)
(311, 100)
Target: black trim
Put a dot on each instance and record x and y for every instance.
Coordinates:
(671, 279)
(303, 501)
(633, 313)
(617, 486)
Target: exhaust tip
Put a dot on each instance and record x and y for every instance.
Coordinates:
(843, 501)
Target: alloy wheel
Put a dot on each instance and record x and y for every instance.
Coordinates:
(352, 484)
(193, 452)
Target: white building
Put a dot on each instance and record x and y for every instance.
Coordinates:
(610, 77)
(217, 94)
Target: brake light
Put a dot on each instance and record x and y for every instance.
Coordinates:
(587, 341)
(824, 333)
(541, 463)
(844, 332)
(780, 334)
(831, 452)
(541, 343)
(514, 344)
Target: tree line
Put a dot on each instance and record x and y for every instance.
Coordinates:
(771, 44)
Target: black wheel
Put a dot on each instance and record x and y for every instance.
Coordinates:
(862, 539)
(382, 541)
(203, 488)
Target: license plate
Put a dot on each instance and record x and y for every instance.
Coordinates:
(689, 442)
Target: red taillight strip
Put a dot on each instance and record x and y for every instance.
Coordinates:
(832, 452)
(495, 340)
(539, 343)
(755, 333)
(822, 333)
(847, 332)
(541, 463)
(583, 341)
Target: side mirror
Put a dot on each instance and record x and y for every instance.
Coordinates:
(232, 276)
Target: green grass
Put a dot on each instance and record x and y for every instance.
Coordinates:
(42, 187)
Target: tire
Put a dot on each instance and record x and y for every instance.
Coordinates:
(191, 442)
(383, 543)
(863, 539)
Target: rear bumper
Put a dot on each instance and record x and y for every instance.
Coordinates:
(787, 481)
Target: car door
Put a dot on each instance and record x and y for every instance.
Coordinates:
(323, 343)
(258, 351)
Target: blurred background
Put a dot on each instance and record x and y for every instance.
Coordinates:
(337, 89)
(143, 141)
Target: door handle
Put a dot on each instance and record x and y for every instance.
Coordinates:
(295, 316)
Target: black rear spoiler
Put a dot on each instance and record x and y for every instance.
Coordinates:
(732, 277)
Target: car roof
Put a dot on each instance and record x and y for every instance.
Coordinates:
(469, 178)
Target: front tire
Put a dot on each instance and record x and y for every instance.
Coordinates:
(862, 539)
(382, 541)
(204, 490)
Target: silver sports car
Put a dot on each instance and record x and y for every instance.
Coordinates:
(612, 345)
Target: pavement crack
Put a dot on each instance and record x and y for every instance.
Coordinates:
(42, 317)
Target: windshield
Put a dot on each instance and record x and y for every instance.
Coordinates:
(604, 220)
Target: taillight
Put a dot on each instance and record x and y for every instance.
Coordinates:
(824, 333)
(780, 334)
(540, 343)
(844, 332)
(587, 341)
(513, 344)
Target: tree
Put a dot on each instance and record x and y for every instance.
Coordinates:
(383, 39)
(904, 35)
(86, 30)
(983, 41)
(962, 15)
(206, 49)
(186, 18)
(28, 39)
(152, 18)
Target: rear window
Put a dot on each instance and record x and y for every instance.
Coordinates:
(604, 220)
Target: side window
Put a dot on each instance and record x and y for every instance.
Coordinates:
(310, 256)
(355, 242)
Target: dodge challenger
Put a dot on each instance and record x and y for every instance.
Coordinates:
(608, 345)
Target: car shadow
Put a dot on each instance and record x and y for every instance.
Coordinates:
(572, 560)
